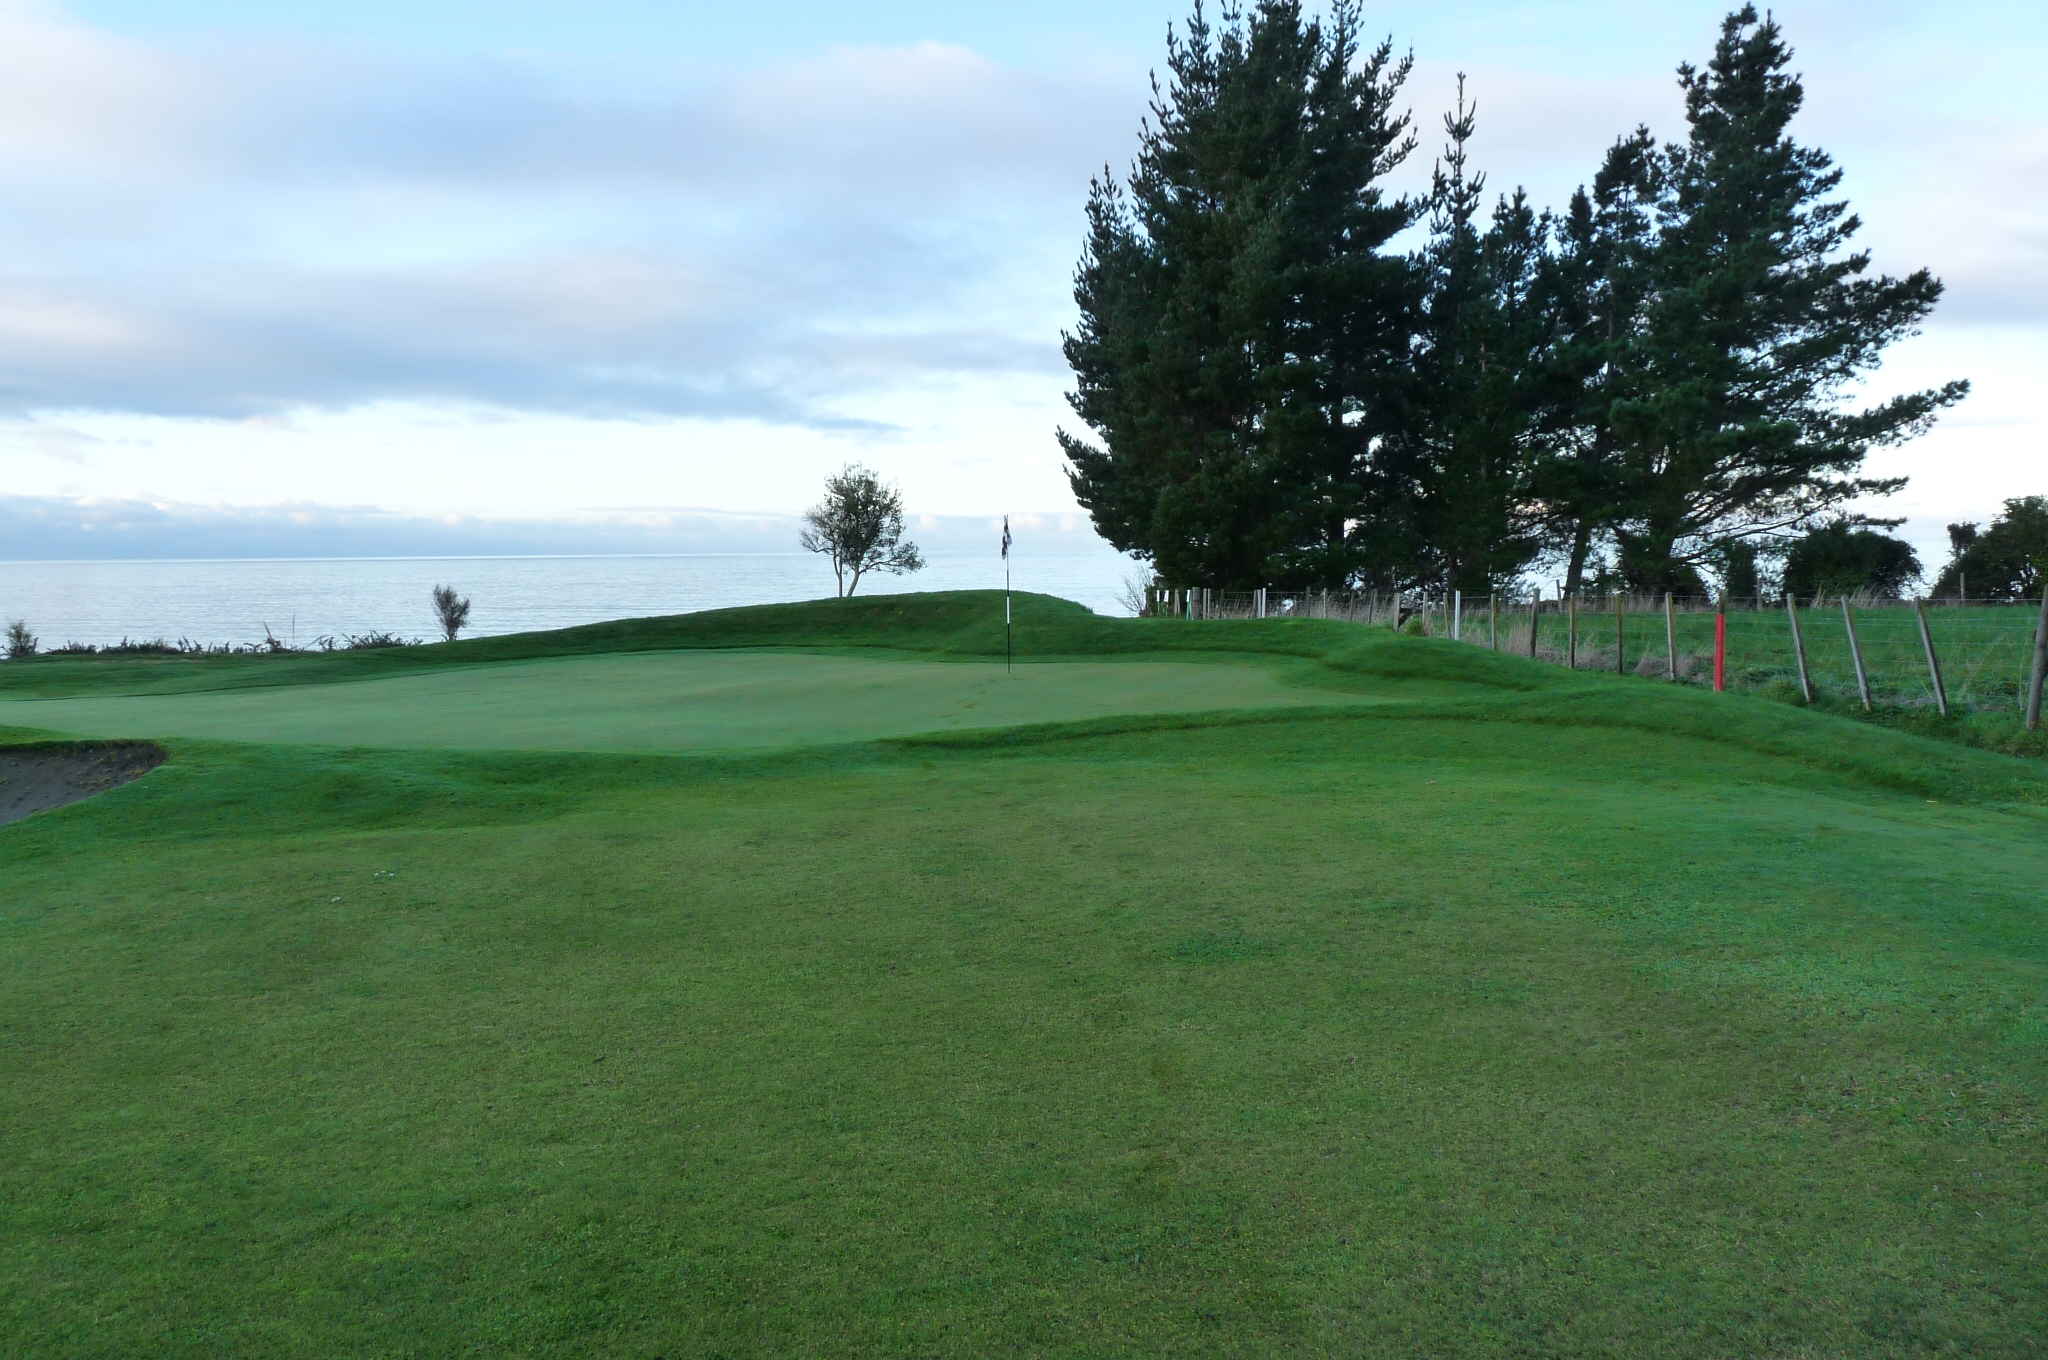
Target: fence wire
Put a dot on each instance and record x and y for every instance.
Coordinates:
(1983, 648)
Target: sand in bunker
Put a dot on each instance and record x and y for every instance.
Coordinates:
(46, 777)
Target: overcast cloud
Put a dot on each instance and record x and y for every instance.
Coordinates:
(254, 230)
(856, 251)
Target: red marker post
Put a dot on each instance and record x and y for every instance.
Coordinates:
(1721, 645)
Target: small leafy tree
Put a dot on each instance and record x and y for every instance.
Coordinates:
(452, 609)
(2007, 561)
(1843, 559)
(20, 641)
(859, 526)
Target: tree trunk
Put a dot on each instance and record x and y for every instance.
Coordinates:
(1582, 545)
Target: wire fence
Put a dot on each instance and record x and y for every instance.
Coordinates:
(1979, 653)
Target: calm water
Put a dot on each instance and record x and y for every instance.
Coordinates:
(231, 601)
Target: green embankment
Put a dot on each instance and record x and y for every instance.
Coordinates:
(1520, 1014)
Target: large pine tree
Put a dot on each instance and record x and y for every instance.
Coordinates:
(1593, 288)
(1243, 334)
(1457, 475)
(1723, 407)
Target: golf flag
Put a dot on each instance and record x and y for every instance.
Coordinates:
(1006, 538)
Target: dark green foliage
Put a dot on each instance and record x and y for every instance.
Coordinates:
(20, 642)
(1594, 288)
(2006, 561)
(1735, 559)
(1657, 372)
(1453, 486)
(1243, 337)
(1842, 559)
(1755, 320)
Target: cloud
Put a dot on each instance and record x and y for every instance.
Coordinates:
(243, 231)
(1945, 185)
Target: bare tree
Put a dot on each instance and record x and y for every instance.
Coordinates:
(859, 525)
(1131, 591)
(453, 610)
(20, 641)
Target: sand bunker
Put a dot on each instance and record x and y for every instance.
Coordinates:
(46, 777)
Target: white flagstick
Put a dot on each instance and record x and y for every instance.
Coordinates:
(1006, 594)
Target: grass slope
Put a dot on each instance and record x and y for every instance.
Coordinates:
(956, 624)
(1566, 1015)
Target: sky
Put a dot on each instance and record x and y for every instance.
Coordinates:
(622, 263)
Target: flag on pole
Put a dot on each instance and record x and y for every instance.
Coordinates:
(1006, 538)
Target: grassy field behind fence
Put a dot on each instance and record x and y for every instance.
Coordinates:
(1985, 648)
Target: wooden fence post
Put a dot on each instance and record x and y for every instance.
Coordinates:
(1856, 654)
(1535, 607)
(1457, 614)
(1798, 645)
(1670, 636)
(1721, 643)
(2040, 665)
(1571, 646)
(1620, 636)
(1933, 665)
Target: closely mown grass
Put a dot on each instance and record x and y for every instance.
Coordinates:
(1577, 1015)
(699, 700)
(941, 624)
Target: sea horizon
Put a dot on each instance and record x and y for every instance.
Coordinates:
(302, 600)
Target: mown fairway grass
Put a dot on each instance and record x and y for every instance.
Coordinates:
(1533, 1015)
(696, 700)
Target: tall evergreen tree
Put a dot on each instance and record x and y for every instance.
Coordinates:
(1593, 290)
(1243, 333)
(1460, 466)
(1728, 419)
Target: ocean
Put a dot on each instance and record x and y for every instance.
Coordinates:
(301, 600)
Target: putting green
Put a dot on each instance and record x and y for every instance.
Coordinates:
(684, 700)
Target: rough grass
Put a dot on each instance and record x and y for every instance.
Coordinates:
(1575, 1015)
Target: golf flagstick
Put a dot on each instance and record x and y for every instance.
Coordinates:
(1006, 594)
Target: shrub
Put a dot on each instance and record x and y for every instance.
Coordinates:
(1841, 559)
(452, 609)
(2005, 561)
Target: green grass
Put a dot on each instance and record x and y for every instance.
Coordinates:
(1985, 651)
(1529, 1014)
(690, 700)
